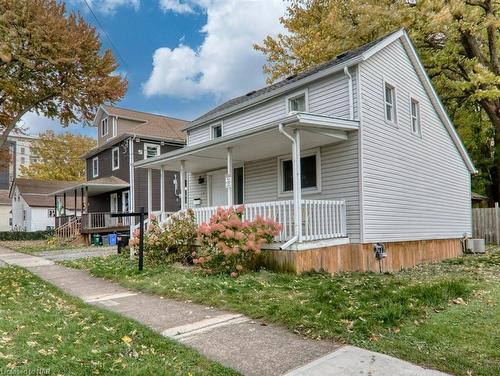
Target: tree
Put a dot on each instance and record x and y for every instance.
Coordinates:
(50, 64)
(59, 157)
(458, 42)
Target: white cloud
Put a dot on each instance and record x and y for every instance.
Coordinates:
(110, 6)
(225, 64)
(177, 6)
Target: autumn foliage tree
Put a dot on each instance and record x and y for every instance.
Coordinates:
(51, 64)
(458, 41)
(59, 157)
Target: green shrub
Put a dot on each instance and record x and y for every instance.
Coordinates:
(24, 235)
(172, 241)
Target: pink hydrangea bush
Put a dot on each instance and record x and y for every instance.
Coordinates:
(229, 244)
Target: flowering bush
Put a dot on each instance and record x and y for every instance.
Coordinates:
(229, 244)
(172, 241)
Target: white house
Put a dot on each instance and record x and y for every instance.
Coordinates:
(33, 209)
(5, 207)
(376, 155)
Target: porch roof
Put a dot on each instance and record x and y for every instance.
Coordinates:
(95, 187)
(256, 143)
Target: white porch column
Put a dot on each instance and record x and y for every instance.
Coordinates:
(162, 190)
(150, 191)
(230, 175)
(183, 185)
(297, 185)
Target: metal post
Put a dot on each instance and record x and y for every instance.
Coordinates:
(162, 190)
(74, 211)
(229, 176)
(81, 199)
(183, 185)
(64, 209)
(141, 239)
(55, 212)
(297, 185)
(150, 191)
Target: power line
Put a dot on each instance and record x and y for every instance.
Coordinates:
(106, 34)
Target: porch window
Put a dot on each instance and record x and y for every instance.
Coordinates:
(115, 158)
(95, 167)
(309, 173)
(238, 186)
(104, 127)
(415, 116)
(297, 102)
(151, 150)
(390, 103)
(216, 131)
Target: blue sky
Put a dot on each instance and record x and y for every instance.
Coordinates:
(181, 57)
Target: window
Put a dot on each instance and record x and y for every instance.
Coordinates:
(390, 103)
(51, 213)
(23, 160)
(297, 102)
(23, 150)
(216, 131)
(415, 116)
(115, 158)
(151, 150)
(310, 172)
(95, 167)
(238, 186)
(104, 127)
(24, 214)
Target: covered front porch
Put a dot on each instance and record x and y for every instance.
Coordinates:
(99, 199)
(215, 172)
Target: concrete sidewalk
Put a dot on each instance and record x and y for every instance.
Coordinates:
(248, 346)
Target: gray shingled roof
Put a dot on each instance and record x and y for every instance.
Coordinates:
(339, 59)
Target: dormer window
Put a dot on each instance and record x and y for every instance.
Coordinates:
(297, 102)
(216, 131)
(104, 127)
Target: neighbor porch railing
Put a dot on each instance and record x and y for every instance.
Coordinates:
(103, 220)
(321, 219)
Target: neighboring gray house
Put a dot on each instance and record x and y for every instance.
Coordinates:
(380, 161)
(112, 183)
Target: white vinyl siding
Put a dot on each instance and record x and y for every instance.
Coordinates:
(413, 188)
(328, 96)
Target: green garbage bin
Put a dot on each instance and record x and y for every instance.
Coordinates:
(96, 239)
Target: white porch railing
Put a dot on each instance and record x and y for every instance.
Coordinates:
(321, 219)
(103, 220)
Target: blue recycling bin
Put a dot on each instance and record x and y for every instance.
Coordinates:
(112, 239)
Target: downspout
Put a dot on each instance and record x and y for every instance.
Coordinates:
(296, 237)
(131, 181)
(351, 94)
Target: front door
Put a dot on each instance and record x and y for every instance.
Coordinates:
(125, 201)
(218, 192)
(114, 203)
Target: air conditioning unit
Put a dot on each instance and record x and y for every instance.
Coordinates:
(476, 246)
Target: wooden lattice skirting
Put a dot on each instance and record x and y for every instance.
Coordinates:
(360, 257)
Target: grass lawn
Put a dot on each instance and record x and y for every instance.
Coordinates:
(44, 331)
(444, 315)
(37, 246)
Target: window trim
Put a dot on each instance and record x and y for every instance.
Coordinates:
(102, 126)
(113, 168)
(415, 99)
(212, 126)
(95, 171)
(146, 145)
(393, 122)
(305, 191)
(288, 98)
